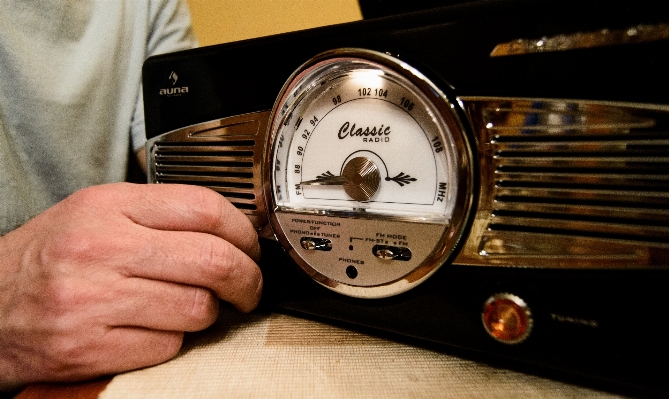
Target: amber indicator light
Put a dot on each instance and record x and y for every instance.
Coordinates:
(507, 318)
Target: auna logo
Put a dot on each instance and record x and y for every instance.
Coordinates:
(174, 91)
(173, 77)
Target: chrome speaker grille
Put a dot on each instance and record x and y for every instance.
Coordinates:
(224, 155)
(570, 184)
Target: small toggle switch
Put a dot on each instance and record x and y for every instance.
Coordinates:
(316, 244)
(389, 252)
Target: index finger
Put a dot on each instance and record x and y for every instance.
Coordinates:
(177, 207)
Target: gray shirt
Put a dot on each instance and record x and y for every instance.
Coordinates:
(70, 93)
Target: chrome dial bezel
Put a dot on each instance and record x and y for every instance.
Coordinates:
(448, 234)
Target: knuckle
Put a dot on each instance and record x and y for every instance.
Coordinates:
(208, 205)
(70, 244)
(62, 300)
(215, 258)
(252, 244)
(203, 309)
(85, 197)
(168, 346)
(58, 347)
(97, 198)
(60, 354)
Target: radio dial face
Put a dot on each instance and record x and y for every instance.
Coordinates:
(369, 172)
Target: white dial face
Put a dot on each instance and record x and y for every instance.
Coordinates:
(369, 174)
(363, 112)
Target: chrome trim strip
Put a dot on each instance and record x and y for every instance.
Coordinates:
(583, 40)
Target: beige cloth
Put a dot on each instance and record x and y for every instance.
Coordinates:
(279, 356)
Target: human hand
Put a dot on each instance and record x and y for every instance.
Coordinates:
(109, 279)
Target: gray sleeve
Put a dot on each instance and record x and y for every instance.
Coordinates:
(170, 30)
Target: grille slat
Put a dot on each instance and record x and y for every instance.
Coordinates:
(561, 189)
(233, 161)
(594, 165)
(658, 217)
(210, 145)
(204, 170)
(202, 180)
(650, 235)
(579, 180)
(580, 222)
(577, 149)
(559, 196)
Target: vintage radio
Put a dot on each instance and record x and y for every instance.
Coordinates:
(490, 176)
